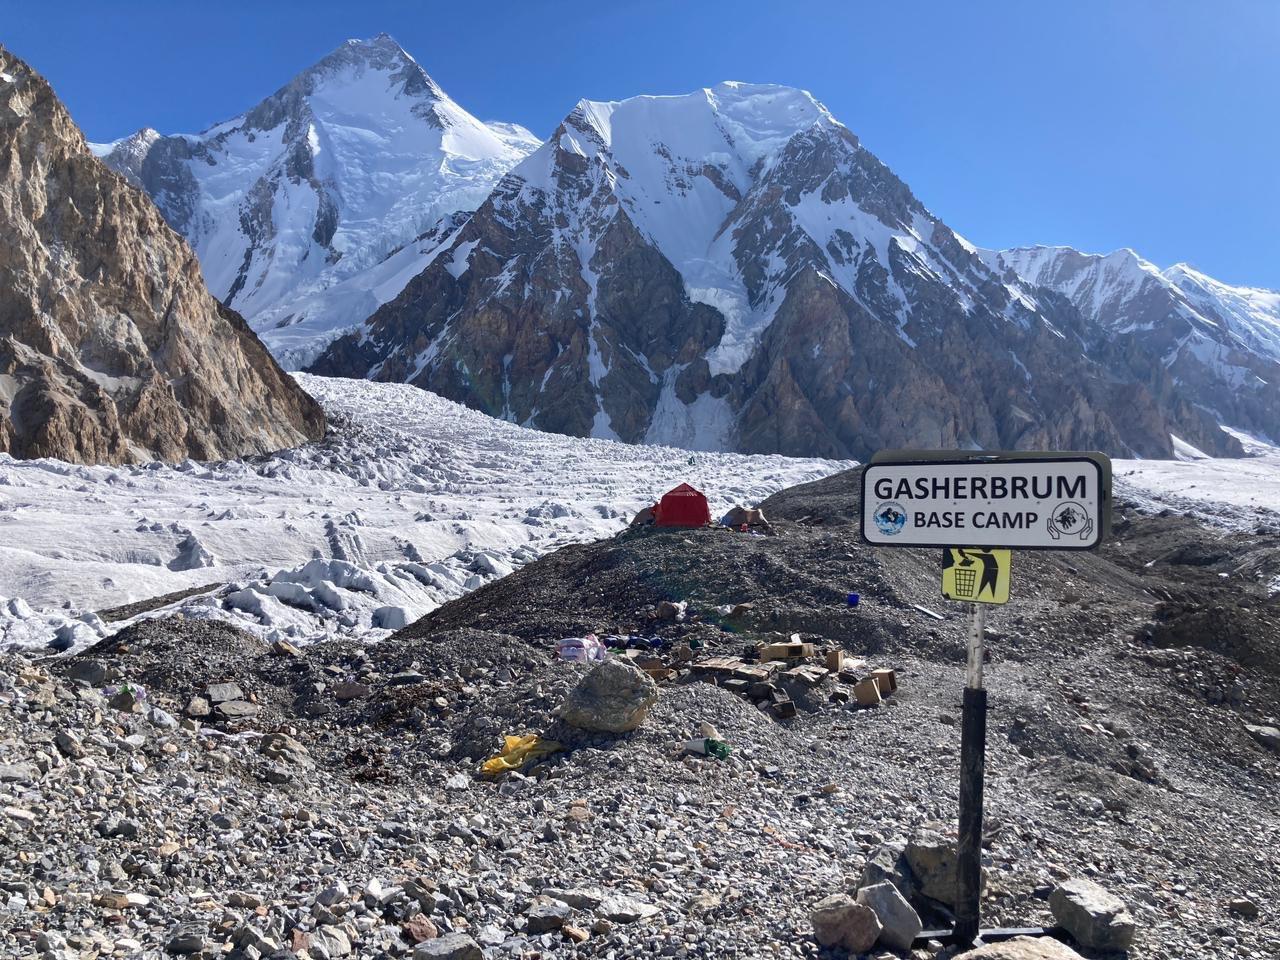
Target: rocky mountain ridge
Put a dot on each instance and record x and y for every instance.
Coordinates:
(732, 269)
(1220, 344)
(111, 347)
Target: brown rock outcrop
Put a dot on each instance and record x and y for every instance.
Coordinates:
(111, 348)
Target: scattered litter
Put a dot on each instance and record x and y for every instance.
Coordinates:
(709, 746)
(586, 649)
(674, 612)
(519, 752)
(927, 612)
(617, 642)
(854, 599)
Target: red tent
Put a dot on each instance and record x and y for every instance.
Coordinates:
(682, 507)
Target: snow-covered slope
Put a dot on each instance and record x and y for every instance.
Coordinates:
(732, 269)
(321, 202)
(412, 501)
(679, 166)
(1251, 315)
(1221, 344)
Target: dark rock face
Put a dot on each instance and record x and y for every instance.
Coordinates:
(1191, 341)
(821, 311)
(111, 348)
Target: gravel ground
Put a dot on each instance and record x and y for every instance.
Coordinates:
(331, 807)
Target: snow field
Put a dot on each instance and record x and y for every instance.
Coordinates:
(412, 501)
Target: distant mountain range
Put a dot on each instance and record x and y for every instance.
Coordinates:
(729, 269)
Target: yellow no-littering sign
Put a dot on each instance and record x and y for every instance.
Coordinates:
(976, 574)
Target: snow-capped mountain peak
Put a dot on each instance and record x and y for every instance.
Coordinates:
(1098, 283)
(748, 121)
(1220, 344)
(683, 169)
(1251, 313)
(319, 203)
(381, 53)
(128, 153)
(732, 269)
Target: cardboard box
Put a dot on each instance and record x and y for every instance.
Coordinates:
(808, 673)
(867, 692)
(786, 651)
(755, 672)
(887, 680)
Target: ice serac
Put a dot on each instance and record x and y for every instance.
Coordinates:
(111, 347)
(732, 269)
(319, 204)
(1220, 345)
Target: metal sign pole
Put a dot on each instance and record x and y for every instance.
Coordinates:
(973, 758)
(992, 502)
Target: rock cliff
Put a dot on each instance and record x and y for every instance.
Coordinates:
(111, 347)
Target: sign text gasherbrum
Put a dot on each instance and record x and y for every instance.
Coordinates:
(1001, 501)
(981, 488)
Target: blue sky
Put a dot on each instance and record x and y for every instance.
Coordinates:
(1152, 124)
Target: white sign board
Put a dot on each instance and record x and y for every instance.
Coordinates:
(999, 500)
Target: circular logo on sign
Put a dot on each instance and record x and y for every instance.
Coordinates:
(890, 518)
(1069, 519)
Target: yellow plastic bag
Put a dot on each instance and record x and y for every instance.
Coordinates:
(518, 752)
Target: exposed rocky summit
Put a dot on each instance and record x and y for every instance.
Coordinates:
(111, 347)
(1220, 344)
(733, 269)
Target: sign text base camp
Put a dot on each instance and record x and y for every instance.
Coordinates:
(1050, 502)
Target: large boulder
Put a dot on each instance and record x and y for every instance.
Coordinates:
(452, 946)
(1023, 948)
(1095, 918)
(614, 697)
(840, 921)
(1267, 736)
(888, 864)
(546, 914)
(283, 748)
(900, 921)
(932, 859)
